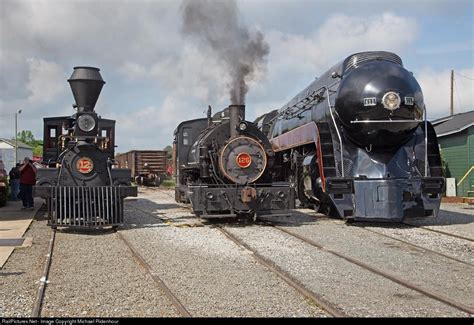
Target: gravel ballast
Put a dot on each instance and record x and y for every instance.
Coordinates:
(19, 277)
(93, 274)
(431, 271)
(356, 291)
(212, 276)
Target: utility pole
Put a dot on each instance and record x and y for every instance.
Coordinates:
(452, 92)
(16, 135)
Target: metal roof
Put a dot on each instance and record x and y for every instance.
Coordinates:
(453, 124)
(12, 143)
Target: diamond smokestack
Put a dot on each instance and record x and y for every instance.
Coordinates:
(86, 84)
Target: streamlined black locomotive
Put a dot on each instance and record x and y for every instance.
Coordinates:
(79, 184)
(224, 168)
(357, 144)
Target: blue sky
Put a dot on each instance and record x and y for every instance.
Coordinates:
(156, 77)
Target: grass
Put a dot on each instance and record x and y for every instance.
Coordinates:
(167, 183)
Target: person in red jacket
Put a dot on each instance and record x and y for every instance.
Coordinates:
(27, 180)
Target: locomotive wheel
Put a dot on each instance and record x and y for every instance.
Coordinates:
(157, 181)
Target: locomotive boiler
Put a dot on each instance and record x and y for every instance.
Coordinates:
(79, 185)
(357, 144)
(224, 168)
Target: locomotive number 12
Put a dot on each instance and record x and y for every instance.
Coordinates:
(84, 165)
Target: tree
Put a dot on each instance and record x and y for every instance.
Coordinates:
(169, 151)
(27, 137)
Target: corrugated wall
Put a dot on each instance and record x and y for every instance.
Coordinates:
(458, 151)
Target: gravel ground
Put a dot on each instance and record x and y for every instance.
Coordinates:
(20, 275)
(358, 292)
(436, 273)
(211, 275)
(94, 274)
(453, 218)
(458, 248)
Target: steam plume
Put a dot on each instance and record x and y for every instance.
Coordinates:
(216, 25)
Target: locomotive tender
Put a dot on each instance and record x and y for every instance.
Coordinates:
(357, 144)
(80, 186)
(223, 167)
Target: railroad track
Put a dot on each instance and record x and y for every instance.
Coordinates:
(325, 305)
(36, 312)
(387, 275)
(438, 231)
(161, 284)
(417, 246)
(285, 276)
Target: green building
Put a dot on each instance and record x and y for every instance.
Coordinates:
(456, 140)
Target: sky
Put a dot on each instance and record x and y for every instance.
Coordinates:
(156, 76)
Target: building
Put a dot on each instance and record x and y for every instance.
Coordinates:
(7, 152)
(456, 140)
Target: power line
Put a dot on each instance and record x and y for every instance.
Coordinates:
(464, 76)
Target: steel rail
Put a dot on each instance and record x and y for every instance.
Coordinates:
(295, 284)
(438, 231)
(169, 294)
(380, 272)
(36, 312)
(291, 281)
(419, 247)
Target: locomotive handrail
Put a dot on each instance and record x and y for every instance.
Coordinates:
(307, 105)
(426, 141)
(385, 121)
(337, 131)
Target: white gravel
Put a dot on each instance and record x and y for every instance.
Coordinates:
(355, 290)
(19, 276)
(211, 275)
(436, 273)
(93, 274)
(457, 219)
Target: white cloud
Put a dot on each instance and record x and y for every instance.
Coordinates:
(152, 127)
(436, 86)
(137, 44)
(339, 36)
(45, 81)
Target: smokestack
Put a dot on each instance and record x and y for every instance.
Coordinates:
(236, 115)
(86, 84)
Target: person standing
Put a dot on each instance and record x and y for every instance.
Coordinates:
(27, 180)
(14, 175)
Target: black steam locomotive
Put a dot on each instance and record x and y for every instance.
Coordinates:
(224, 168)
(80, 186)
(357, 144)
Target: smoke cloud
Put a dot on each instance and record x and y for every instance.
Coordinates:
(215, 25)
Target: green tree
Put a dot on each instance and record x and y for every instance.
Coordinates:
(27, 137)
(169, 151)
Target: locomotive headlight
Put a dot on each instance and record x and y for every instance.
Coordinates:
(391, 100)
(242, 126)
(86, 123)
